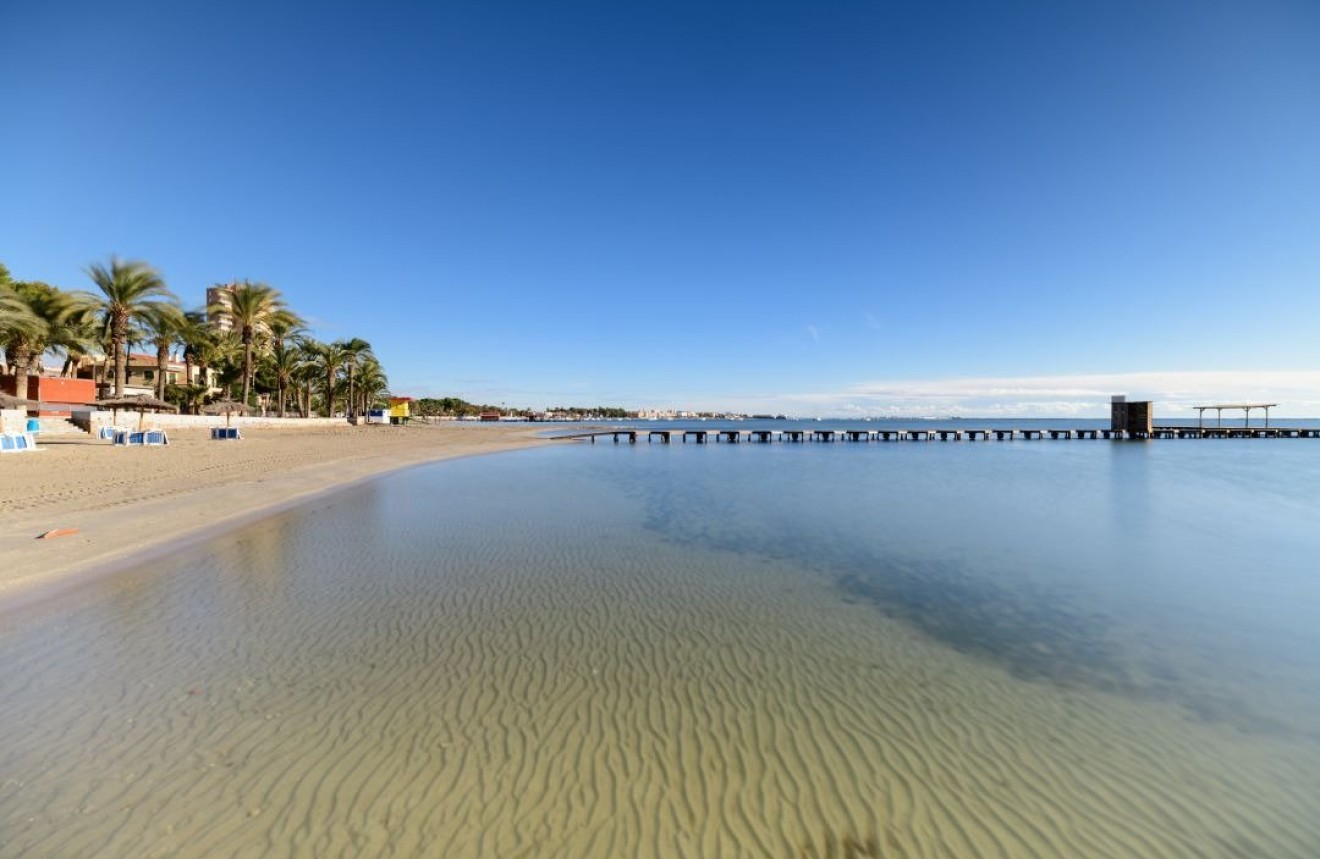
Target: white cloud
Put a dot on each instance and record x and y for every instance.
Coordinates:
(1296, 391)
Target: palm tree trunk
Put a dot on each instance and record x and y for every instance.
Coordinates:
(121, 368)
(247, 364)
(20, 378)
(352, 399)
(119, 340)
(162, 363)
(19, 358)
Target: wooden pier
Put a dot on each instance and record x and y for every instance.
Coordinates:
(945, 434)
(1129, 421)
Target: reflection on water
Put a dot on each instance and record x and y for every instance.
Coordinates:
(1129, 490)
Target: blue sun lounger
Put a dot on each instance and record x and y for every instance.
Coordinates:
(225, 433)
(139, 438)
(17, 442)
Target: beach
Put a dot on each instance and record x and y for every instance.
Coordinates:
(127, 503)
(689, 650)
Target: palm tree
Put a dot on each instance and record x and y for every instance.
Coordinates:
(54, 322)
(372, 383)
(328, 358)
(221, 352)
(163, 326)
(189, 398)
(128, 292)
(304, 376)
(13, 310)
(286, 327)
(353, 350)
(193, 333)
(206, 348)
(77, 335)
(285, 359)
(16, 319)
(252, 307)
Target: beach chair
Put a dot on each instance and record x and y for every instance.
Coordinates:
(225, 433)
(127, 438)
(155, 437)
(17, 442)
(108, 433)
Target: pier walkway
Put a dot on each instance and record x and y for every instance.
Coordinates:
(827, 435)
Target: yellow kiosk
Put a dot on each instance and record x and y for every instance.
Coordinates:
(400, 409)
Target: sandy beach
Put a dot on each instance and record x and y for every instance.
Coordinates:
(126, 504)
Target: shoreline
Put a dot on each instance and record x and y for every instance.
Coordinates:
(129, 506)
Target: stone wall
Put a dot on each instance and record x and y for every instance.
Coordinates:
(13, 420)
(92, 421)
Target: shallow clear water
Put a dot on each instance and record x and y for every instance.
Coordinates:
(978, 649)
(1144, 569)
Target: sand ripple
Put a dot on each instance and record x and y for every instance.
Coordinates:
(587, 691)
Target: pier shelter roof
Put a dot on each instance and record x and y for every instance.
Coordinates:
(1245, 407)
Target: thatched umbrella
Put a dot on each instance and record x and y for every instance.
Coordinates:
(227, 408)
(141, 404)
(9, 401)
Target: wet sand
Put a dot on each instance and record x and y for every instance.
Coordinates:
(127, 503)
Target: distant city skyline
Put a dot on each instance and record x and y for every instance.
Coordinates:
(812, 209)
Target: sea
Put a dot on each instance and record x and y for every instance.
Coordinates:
(1044, 648)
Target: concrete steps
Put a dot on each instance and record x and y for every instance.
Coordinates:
(61, 428)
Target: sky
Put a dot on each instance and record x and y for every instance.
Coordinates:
(828, 208)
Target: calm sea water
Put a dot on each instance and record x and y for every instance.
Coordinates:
(1175, 582)
(1051, 558)
(1063, 561)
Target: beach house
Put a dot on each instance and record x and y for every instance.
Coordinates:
(141, 372)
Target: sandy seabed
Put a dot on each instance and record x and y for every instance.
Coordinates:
(679, 704)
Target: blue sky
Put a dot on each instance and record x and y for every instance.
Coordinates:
(816, 208)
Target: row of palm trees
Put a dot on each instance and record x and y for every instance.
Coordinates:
(265, 349)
